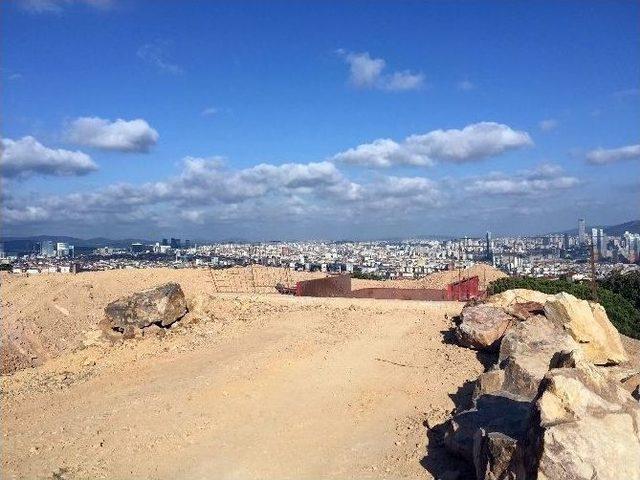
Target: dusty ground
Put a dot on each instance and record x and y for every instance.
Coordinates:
(251, 386)
(44, 316)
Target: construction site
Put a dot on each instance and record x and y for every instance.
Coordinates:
(447, 285)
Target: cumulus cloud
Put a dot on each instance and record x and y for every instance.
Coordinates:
(56, 6)
(602, 156)
(205, 191)
(120, 135)
(548, 124)
(546, 178)
(155, 54)
(474, 142)
(367, 72)
(26, 157)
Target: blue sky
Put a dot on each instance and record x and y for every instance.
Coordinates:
(266, 120)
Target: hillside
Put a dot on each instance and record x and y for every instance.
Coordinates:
(323, 388)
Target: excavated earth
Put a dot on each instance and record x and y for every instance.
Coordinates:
(246, 385)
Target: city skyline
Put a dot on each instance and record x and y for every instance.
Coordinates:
(377, 122)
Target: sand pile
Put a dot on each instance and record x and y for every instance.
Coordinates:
(438, 280)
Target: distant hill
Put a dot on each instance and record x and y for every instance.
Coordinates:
(615, 230)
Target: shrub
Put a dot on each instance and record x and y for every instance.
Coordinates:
(622, 313)
(627, 285)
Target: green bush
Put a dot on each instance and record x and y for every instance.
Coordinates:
(622, 313)
(627, 285)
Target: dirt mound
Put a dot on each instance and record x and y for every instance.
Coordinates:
(439, 280)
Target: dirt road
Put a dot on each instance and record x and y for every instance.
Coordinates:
(266, 387)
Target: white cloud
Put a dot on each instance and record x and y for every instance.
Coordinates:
(474, 142)
(56, 6)
(548, 124)
(155, 54)
(466, 85)
(382, 152)
(602, 156)
(26, 157)
(404, 80)
(121, 135)
(209, 111)
(367, 72)
(546, 178)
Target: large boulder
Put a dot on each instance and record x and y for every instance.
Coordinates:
(588, 324)
(527, 352)
(585, 426)
(160, 306)
(482, 326)
(499, 412)
(512, 297)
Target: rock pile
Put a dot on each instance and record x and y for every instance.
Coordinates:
(555, 405)
(148, 310)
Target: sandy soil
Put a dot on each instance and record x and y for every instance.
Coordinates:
(485, 273)
(47, 315)
(249, 386)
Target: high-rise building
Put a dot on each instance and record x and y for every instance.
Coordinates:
(47, 249)
(489, 246)
(137, 247)
(62, 249)
(165, 242)
(602, 244)
(582, 231)
(175, 242)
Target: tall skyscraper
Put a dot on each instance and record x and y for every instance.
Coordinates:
(602, 244)
(489, 246)
(47, 249)
(582, 231)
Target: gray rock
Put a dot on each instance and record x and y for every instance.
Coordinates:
(493, 455)
(482, 326)
(160, 306)
(499, 412)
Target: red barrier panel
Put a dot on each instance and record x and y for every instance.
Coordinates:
(465, 289)
(429, 294)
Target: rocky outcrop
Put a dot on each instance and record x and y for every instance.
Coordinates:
(585, 426)
(482, 326)
(552, 407)
(589, 325)
(160, 306)
(526, 353)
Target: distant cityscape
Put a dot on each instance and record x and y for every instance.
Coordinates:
(553, 255)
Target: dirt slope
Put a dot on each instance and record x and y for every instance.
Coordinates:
(263, 386)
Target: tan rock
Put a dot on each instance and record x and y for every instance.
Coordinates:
(586, 427)
(517, 295)
(488, 382)
(527, 352)
(588, 324)
(482, 326)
